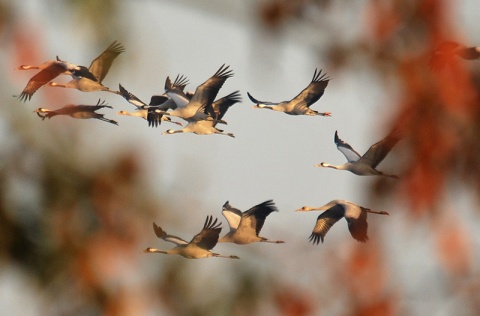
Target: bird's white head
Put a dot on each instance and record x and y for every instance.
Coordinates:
(153, 250)
(169, 131)
(310, 208)
(305, 209)
(24, 67)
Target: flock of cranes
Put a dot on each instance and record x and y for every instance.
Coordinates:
(202, 112)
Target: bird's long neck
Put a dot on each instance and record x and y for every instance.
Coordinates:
(327, 165)
(61, 85)
(50, 113)
(172, 251)
(175, 131)
(106, 89)
(154, 250)
(269, 107)
(27, 67)
(137, 113)
(310, 208)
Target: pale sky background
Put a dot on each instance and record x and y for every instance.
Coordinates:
(273, 154)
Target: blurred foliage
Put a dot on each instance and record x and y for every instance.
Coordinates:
(78, 231)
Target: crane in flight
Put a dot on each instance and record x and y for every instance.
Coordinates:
(198, 247)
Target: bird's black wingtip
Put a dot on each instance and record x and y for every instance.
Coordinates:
(336, 139)
(168, 84)
(252, 98)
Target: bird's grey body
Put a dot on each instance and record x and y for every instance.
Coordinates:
(199, 247)
(364, 165)
(300, 105)
(245, 227)
(77, 111)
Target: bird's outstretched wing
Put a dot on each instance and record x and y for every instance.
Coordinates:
(378, 151)
(154, 117)
(325, 221)
(218, 108)
(178, 86)
(208, 237)
(314, 91)
(100, 105)
(40, 79)
(232, 215)
(131, 98)
(176, 91)
(254, 218)
(101, 65)
(170, 238)
(206, 93)
(346, 149)
(157, 100)
(358, 226)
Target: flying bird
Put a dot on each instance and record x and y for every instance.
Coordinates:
(365, 165)
(300, 105)
(445, 53)
(143, 109)
(355, 215)
(77, 111)
(49, 70)
(198, 247)
(99, 68)
(245, 227)
(216, 112)
(204, 96)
